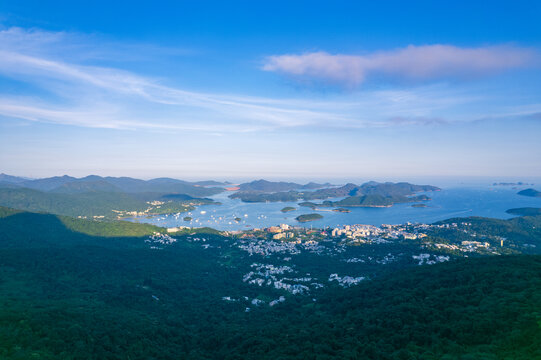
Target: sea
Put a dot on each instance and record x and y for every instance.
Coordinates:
(454, 200)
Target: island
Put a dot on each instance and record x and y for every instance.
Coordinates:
(275, 186)
(525, 211)
(187, 218)
(530, 192)
(308, 204)
(238, 219)
(308, 217)
(288, 208)
(376, 201)
(370, 194)
(342, 210)
(520, 183)
(313, 205)
(418, 205)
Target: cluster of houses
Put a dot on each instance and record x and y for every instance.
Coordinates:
(346, 281)
(429, 259)
(363, 233)
(264, 247)
(267, 275)
(157, 239)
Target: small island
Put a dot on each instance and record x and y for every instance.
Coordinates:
(238, 219)
(342, 210)
(308, 204)
(308, 217)
(418, 205)
(525, 211)
(187, 218)
(530, 192)
(288, 209)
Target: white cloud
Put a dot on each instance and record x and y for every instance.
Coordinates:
(82, 91)
(66, 90)
(428, 62)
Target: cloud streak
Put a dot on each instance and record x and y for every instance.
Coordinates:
(414, 63)
(81, 89)
(67, 90)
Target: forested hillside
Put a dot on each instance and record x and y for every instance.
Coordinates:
(68, 295)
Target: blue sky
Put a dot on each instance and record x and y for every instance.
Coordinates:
(270, 89)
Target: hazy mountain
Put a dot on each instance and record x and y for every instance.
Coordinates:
(47, 184)
(84, 185)
(5, 178)
(276, 186)
(312, 185)
(93, 183)
(210, 183)
(268, 186)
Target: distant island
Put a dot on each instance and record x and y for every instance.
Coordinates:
(370, 194)
(367, 201)
(525, 211)
(530, 192)
(520, 183)
(313, 205)
(287, 209)
(275, 186)
(418, 205)
(342, 210)
(308, 217)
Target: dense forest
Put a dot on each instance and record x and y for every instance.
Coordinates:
(65, 294)
(104, 204)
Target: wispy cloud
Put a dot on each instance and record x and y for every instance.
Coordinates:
(68, 89)
(430, 62)
(400, 120)
(81, 88)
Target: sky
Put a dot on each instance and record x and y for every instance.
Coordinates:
(273, 89)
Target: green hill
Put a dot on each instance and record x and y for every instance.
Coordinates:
(18, 228)
(96, 203)
(85, 204)
(71, 295)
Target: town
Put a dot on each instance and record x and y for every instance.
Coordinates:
(285, 260)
